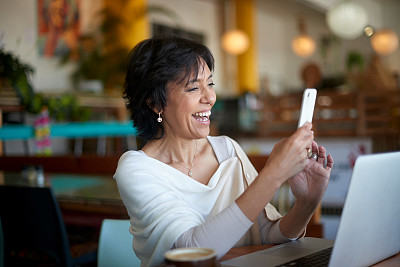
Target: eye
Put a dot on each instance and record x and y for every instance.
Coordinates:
(192, 89)
(211, 84)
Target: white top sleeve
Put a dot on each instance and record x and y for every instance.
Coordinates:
(270, 231)
(216, 233)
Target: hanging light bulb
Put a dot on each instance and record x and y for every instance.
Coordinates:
(303, 45)
(235, 42)
(347, 20)
(385, 41)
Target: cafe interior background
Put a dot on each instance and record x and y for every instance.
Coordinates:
(73, 54)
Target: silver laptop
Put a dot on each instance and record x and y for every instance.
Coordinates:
(369, 229)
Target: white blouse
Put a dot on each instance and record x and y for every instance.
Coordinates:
(169, 209)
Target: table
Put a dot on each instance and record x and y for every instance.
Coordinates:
(87, 199)
(393, 261)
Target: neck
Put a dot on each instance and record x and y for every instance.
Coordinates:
(172, 151)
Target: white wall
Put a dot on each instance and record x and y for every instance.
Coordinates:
(19, 33)
(276, 28)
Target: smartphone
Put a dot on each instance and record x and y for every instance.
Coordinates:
(307, 106)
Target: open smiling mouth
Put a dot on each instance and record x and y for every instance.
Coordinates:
(202, 116)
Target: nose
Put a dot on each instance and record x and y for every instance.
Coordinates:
(208, 96)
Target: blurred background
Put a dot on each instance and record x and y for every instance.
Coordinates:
(63, 64)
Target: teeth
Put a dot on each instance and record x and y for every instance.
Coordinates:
(203, 114)
(202, 119)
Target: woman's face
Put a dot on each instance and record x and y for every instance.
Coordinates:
(188, 109)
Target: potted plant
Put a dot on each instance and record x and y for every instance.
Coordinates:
(15, 74)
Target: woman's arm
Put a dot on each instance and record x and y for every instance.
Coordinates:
(226, 228)
(308, 180)
(220, 232)
(287, 159)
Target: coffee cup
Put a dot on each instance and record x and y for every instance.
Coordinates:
(185, 257)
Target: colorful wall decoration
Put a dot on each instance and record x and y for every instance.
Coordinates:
(58, 26)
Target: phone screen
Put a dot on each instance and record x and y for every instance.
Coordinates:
(307, 106)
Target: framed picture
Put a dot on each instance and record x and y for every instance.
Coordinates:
(58, 26)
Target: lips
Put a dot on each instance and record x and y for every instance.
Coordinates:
(202, 116)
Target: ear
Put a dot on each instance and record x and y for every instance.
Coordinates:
(152, 106)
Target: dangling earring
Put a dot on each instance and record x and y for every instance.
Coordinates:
(159, 119)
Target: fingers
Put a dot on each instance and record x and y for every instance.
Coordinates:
(321, 155)
(290, 154)
(304, 130)
(329, 163)
(314, 147)
(305, 134)
(308, 153)
(314, 150)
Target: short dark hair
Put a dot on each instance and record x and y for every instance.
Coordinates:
(152, 64)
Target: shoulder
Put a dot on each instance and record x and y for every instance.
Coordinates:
(133, 164)
(132, 157)
(222, 146)
(221, 140)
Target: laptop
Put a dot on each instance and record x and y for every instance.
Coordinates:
(369, 228)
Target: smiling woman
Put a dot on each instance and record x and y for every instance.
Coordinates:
(186, 188)
(189, 104)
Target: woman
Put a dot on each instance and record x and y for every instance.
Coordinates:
(185, 188)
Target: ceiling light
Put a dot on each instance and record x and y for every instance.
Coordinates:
(347, 20)
(385, 41)
(235, 42)
(303, 45)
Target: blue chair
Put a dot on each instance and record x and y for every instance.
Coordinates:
(115, 245)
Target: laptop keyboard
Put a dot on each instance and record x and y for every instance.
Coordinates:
(320, 258)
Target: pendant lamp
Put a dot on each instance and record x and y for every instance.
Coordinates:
(384, 41)
(303, 45)
(347, 20)
(235, 42)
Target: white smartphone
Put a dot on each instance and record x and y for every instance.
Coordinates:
(307, 106)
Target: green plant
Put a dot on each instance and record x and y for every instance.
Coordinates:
(15, 73)
(355, 60)
(327, 43)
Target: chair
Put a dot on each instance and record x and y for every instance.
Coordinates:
(115, 245)
(34, 232)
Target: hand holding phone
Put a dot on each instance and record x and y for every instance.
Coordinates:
(307, 106)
